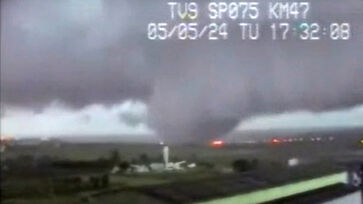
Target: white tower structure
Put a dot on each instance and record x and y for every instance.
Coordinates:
(166, 155)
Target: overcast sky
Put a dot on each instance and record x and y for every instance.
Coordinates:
(87, 67)
(129, 118)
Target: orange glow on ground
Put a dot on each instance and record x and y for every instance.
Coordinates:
(217, 143)
(4, 139)
(276, 141)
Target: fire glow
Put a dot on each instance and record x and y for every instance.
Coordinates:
(217, 143)
(276, 141)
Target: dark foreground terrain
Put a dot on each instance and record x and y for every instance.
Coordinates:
(62, 172)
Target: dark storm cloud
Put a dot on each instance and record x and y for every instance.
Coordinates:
(132, 120)
(59, 50)
(210, 86)
(195, 89)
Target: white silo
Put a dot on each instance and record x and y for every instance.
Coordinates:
(166, 155)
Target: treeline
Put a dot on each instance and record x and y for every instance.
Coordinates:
(94, 164)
